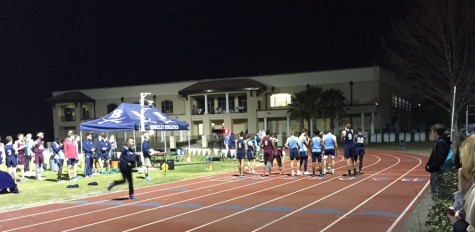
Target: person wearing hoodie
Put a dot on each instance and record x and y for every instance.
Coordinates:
(437, 157)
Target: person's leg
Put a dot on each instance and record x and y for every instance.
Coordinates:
(128, 175)
(305, 164)
(360, 163)
(333, 164)
(264, 165)
(253, 166)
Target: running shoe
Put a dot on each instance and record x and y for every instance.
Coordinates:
(110, 186)
(132, 198)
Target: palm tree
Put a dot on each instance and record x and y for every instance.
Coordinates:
(298, 109)
(305, 104)
(332, 102)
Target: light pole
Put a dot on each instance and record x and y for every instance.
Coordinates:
(351, 102)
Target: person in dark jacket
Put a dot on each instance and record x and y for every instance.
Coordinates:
(437, 157)
(126, 163)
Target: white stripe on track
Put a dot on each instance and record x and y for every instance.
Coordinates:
(100, 194)
(103, 209)
(373, 196)
(407, 208)
(321, 199)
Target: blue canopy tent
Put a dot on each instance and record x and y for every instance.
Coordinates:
(126, 117)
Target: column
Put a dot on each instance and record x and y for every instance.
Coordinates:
(288, 126)
(362, 122)
(227, 103)
(206, 104)
(265, 123)
(372, 122)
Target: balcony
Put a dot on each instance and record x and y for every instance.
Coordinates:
(239, 109)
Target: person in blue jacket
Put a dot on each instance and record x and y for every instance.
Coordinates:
(89, 150)
(104, 149)
(126, 163)
(58, 152)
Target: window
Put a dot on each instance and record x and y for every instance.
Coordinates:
(280, 100)
(242, 104)
(167, 106)
(111, 107)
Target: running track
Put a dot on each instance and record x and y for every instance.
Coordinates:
(378, 200)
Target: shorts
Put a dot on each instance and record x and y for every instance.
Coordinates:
(294, 154)
(241, 155)
(21, 159)
(348, 151)
(39, 159)
(72, 162)
(303, 155)
(105, 156)
(317, 155)
(60, 162)
(147, 162)
(329, 152)
(359, 151)
(11, 161)
(250, 156)
(268, 156)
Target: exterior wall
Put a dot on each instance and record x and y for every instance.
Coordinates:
(368, 89)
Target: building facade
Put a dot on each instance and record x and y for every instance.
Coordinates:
(247, 103)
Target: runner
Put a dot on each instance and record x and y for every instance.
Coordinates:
(347, 138)
(331, 149)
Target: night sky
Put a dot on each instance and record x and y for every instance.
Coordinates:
(61, 45)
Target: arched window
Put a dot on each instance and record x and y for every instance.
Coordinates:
(111, 107)
(280, 100)
(167, 106)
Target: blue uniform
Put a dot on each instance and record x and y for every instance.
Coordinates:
(349, 144)
(316, 149)
(146, 149)
(293, 147)
(88, 156)
(1, 153)
(329, 142)
(359, 145)
(104, 154)
(241, 153)
(56, 150)
(250, 150)
(11, 160)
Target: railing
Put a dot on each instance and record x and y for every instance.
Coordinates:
(239, 109)
(68, 118)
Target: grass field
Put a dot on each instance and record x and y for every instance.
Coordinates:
(36, 192)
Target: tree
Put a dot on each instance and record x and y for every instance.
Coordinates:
(332, 102)
(432, 50)
(305, 105)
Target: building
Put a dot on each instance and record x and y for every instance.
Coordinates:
(247, 103)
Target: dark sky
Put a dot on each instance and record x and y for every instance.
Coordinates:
(61, 45)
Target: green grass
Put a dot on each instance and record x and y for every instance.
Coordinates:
(35, 192)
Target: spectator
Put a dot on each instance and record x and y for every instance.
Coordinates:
(437, 157)
(38, 149)
(71, 152)
(464, 218)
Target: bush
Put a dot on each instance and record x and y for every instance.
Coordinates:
(438, 220)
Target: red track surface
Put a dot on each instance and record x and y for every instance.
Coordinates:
(378, 200)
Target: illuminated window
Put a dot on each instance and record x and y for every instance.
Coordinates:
(280, 100)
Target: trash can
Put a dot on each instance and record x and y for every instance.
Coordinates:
(53, 166)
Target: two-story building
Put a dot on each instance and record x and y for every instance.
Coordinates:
(246, 103)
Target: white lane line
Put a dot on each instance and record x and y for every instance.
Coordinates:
(135, 202)
(321, 199)
(100, 194)
(373, 196)
(242, 211)
(408, 207)
(167, 206)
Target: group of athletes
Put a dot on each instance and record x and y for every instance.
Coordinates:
(320, 147)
